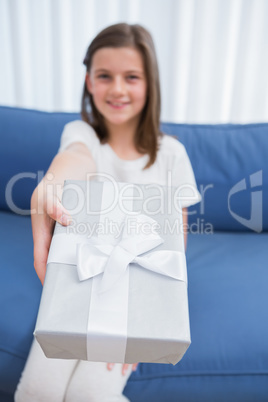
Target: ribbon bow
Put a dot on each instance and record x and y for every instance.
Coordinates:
(95, 256)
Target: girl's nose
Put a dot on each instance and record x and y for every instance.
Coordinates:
(118, 86)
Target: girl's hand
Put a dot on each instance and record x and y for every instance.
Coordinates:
(124, 367)
(45, 211)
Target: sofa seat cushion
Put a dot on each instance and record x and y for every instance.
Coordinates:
(20, 292)
(228, 357)
(228, 299)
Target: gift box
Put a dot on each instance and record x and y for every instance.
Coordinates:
(116, 284)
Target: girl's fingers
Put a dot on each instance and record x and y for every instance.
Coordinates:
(124, 367)
(42, 227)
(134, 366)
(110, 366)
(43, 221)
(56, 210)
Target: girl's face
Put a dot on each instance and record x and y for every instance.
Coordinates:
(118, 85)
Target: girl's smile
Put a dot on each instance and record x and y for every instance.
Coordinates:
(118, 85)
(118, 105)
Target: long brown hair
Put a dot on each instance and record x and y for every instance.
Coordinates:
(148, 132)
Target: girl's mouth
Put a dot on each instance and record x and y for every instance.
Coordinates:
(117, 105)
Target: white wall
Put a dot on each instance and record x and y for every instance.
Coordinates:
(213, 54)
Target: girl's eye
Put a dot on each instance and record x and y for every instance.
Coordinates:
(103, 76)
(132, 77)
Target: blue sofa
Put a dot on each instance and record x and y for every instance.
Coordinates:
(227, 257)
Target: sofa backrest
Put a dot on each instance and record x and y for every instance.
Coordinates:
(29, 141)
(229, 162)
(231, 169)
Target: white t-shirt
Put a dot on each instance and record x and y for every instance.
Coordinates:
(171, 168)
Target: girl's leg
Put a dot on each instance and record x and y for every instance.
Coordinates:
(92, 382)
(44, 379)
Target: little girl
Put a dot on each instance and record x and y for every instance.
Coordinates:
(119, 136)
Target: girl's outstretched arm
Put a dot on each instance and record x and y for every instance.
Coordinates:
(46, 208)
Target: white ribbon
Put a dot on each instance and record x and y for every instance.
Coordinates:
(107, 323)
(95, 257)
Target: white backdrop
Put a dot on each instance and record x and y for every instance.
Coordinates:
(213, 54)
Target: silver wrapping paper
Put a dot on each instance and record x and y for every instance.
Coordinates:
(158, 319)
